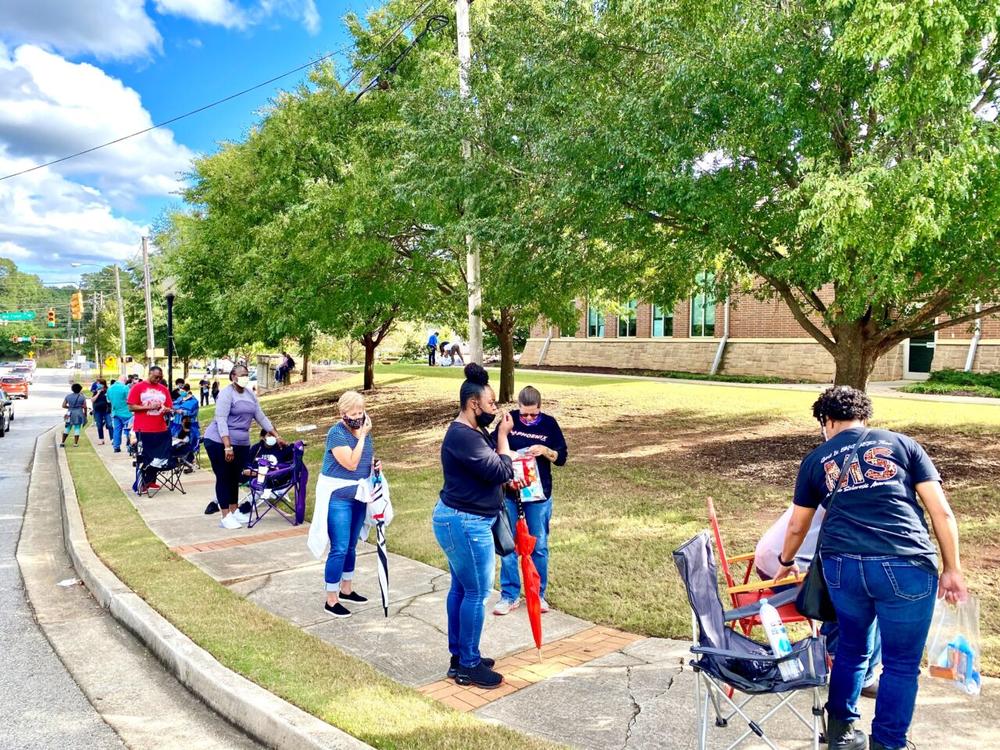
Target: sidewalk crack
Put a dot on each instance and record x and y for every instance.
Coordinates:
(636, 708)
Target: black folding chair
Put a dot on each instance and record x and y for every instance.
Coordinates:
(728, 659)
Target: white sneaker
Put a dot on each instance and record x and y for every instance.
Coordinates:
(545, 605)
(241, 517)
(230, 522)
(504, 606)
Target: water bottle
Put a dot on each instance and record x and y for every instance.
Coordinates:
(777, 635)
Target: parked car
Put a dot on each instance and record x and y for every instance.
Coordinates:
(28, 363)
(25, 372)
(14, 386)
(69, 364)
(6, 413)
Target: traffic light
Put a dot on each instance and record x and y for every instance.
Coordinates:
(51, 317)
(76, 305)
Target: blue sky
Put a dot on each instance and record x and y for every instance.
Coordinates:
(74, 74)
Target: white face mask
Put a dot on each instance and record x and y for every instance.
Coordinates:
(270, 440)
(243, 381)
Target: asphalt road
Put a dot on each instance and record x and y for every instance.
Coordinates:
(42, 706)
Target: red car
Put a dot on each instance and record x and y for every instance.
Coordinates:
(14, 386)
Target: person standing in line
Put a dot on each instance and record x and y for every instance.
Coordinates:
(534, 434)
(151, 405)
(102, 411)
(215, 391)
(120, 414)
(878, 559)
(176, 391)
(432, 345)
(342, 494)
(76, 415)
(475, 471)
(227, 443)
(203, 388)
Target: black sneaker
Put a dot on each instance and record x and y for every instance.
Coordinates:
(480, 676)
(118, 450)
(212, 507)
(453, 668)
(337, 610)
(354, 596)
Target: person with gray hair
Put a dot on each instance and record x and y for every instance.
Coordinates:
(227, 442)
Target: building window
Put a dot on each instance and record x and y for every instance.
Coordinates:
(626, 321)
(703, 306)
(595, 323)
(663, 321)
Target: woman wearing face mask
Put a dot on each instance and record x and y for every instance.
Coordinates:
(342, 492)
(227, 442)
(475, 472)
(534, 434)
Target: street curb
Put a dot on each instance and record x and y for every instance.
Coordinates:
(263, 716)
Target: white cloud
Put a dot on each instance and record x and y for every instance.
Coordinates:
(10, 249)
(50, 107)
(219, 12)
(108, 29)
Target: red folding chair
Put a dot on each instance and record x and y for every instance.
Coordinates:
(746, 594)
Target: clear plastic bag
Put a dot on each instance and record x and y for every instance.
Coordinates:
(953, 645)
(526, 472)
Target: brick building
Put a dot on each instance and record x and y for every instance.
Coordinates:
(764, 339)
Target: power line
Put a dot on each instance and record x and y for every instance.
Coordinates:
(357, 71)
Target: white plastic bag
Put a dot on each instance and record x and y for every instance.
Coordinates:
(953, 646)
(526, 472)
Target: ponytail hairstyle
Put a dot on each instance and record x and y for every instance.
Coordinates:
(476, 380)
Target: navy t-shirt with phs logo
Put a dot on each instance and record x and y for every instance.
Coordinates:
(876, 511)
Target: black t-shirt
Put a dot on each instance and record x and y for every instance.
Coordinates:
(474, 473)
(876, 511)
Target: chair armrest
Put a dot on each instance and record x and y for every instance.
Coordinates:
(780, 599)
(742, 558)
(763, 585)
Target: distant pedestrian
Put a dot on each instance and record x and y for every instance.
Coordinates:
(455, 350)
(227, 443)
(76, 414)
(120, 414)
(102, 411)
(176, 390)
(284, 370)
(534, 434)
(475, 472)
(215, 391)
(204, 390)
(151, 405)
(432, 344)
(342, 493)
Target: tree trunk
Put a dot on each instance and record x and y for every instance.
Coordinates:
(503, 329)
(855, 355)
(306, 344)
(186, 362)
(370, 344)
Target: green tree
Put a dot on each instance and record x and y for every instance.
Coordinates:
(844, 153)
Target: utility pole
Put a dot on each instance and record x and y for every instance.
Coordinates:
(97, 354)
(150, 344)
(121, 322)
(472, 276)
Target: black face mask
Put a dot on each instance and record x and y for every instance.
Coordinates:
(485, 419)
(354, 424)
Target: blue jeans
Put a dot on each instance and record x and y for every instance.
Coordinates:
(119, 426)
(538, 516)
(102, 419)
(467, 542)
(343, 524)
(832, 632)
(901, 594)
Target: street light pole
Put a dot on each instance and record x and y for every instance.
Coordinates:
(472, 273)
(121, 323)
(150, 343)
(170, 339)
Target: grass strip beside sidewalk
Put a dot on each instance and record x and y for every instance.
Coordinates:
(278, 656)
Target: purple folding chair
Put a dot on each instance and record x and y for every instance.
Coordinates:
(280, 487)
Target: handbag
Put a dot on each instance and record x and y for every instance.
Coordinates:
(813, 600)
(503, 534)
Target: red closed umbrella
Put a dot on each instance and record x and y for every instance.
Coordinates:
(524, 544)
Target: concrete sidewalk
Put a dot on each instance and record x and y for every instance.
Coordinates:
(595, 687)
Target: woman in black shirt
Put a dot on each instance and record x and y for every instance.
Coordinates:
(475, 471)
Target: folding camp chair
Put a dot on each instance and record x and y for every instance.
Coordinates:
(280, 487)
(727, 658)
(744, 595)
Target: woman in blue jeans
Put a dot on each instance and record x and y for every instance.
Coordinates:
(536, 434)
(878, 560)
(342, 493)
(475, 472)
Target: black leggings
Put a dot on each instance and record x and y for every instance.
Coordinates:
(228, 474)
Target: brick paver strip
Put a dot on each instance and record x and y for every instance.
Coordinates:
(523, 669)
(213, 545)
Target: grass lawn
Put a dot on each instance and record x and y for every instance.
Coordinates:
(299, 667)
(643, 457)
